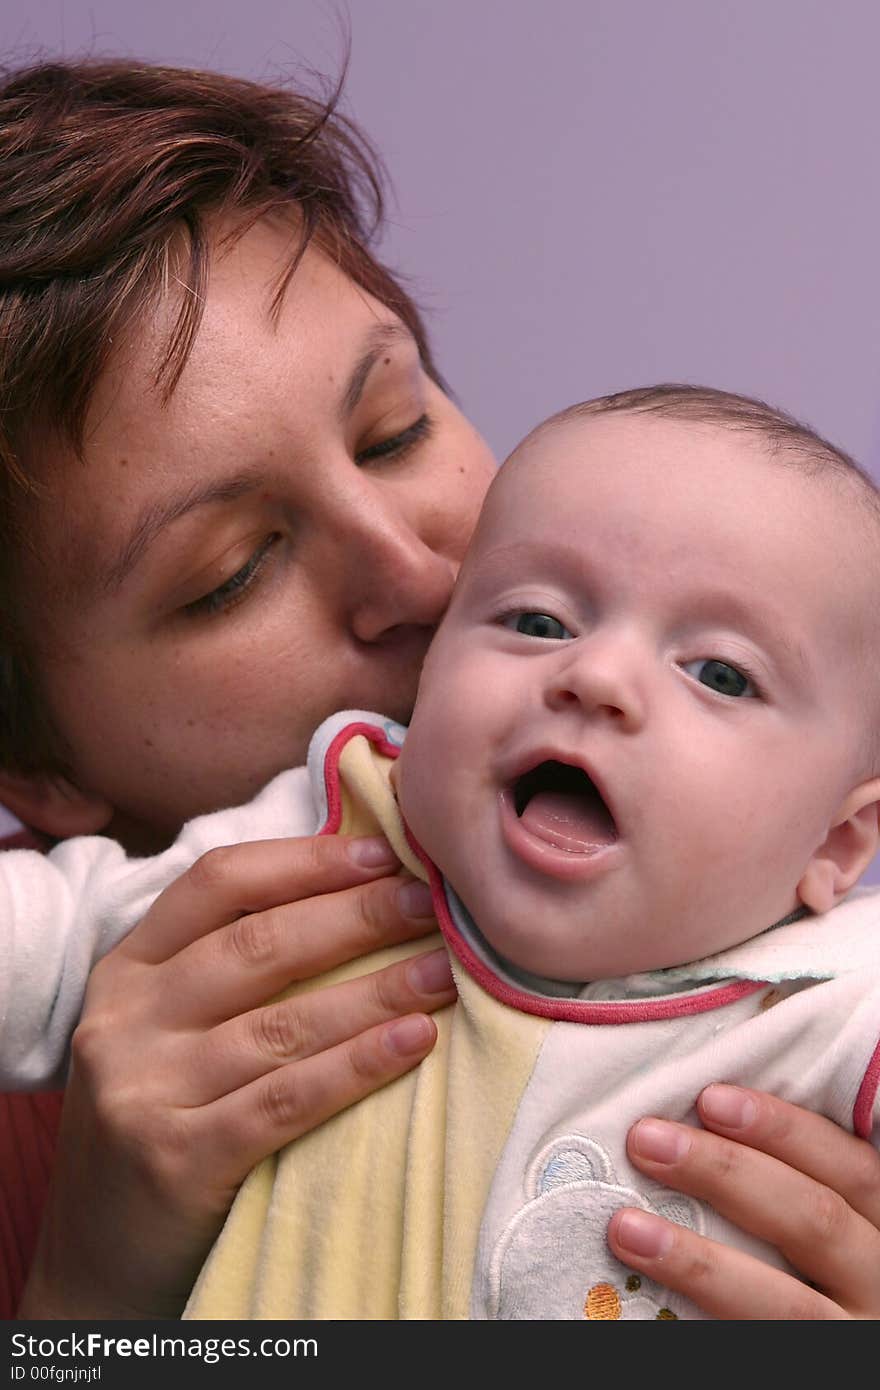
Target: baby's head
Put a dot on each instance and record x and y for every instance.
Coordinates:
(648, 726)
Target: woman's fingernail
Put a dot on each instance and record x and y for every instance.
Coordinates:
(407, 1036)
(373, 852)
(661, 1142)
(431, 974)
(414, 900)
(728, 1106)
(644, 1235)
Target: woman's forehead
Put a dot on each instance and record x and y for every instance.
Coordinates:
(258, 392)
(247, 339)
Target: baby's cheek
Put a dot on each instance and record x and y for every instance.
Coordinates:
(409, 779)
(423, 779)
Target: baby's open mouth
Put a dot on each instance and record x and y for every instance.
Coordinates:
(563, 806)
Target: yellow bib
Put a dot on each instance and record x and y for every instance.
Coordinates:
(376, 1213)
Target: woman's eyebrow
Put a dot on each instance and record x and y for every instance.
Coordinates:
(157, 515)
(379, 340)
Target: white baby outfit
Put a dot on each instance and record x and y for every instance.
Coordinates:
(481, 1184)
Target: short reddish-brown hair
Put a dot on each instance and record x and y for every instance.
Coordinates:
(104, 168)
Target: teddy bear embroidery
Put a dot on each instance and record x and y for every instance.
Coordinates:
(553, 1262)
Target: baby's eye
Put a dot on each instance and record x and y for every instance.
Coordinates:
(720, 676)
(538, 625)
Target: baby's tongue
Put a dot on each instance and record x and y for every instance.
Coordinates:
(569, 820)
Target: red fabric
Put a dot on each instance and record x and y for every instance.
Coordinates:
(863, 1110)
(28, 1134)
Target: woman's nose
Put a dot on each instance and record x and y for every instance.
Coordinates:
(598, 679)
(394, 578)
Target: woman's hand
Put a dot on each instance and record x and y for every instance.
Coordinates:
(183, 1077)
(784, 1174)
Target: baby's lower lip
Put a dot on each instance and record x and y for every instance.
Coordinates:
(554, 849)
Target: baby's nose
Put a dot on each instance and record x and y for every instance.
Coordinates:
(598, 679)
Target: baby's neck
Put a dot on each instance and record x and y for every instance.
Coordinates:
(644, 984)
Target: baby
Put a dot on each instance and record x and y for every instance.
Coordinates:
(646, 733)
(649, 726)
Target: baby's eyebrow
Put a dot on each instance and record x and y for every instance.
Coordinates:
(762, 624)
(531, 563)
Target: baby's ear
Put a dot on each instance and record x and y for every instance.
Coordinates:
(49, 803)
(846, 851)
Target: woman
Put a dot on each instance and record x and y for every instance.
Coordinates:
(245, 495)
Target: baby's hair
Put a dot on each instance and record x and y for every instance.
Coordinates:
(783, 435)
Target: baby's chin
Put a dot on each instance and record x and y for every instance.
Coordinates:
(555, 957)
(572, 958)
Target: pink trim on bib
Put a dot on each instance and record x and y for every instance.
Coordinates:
(573, 1010)
(863, 1109)
(332, 788)
(567, 1010)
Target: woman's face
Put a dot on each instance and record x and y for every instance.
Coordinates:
(276, 542)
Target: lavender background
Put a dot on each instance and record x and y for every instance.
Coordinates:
(591, 194)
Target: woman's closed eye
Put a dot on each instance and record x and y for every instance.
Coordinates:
(397, 446)
(721, 677)
(233, 589)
